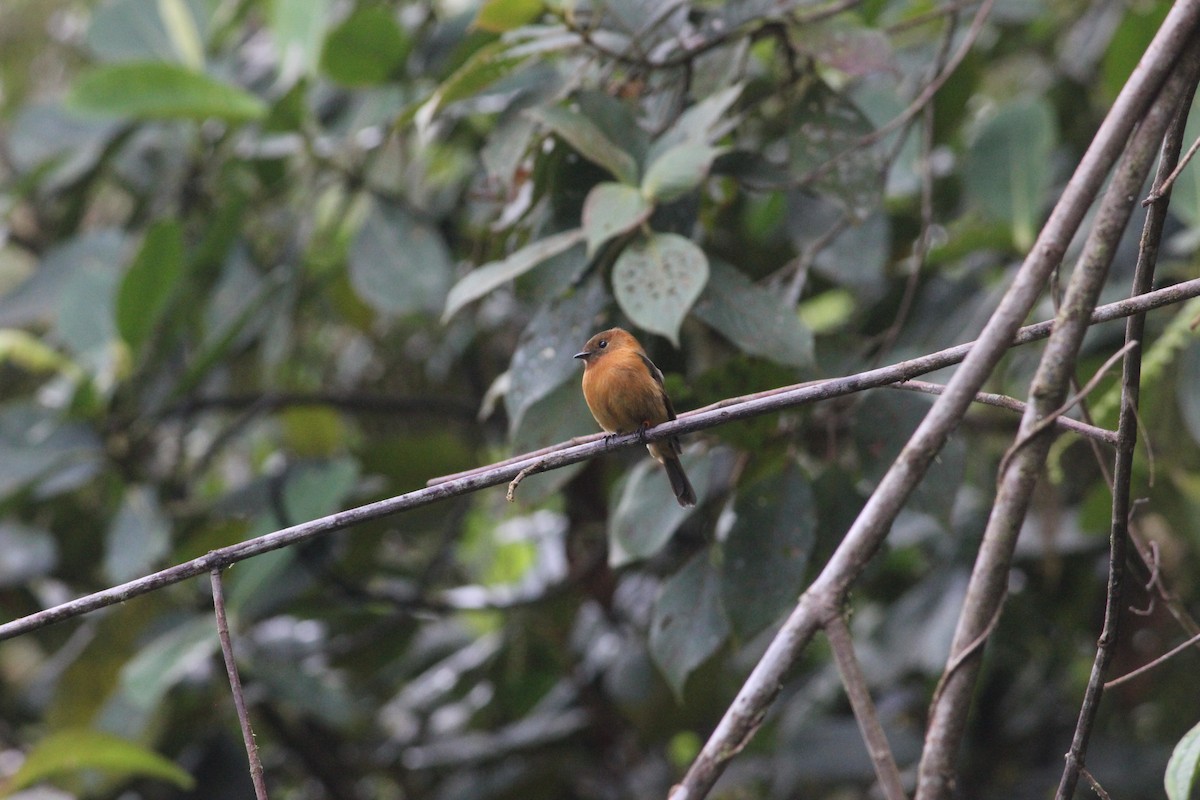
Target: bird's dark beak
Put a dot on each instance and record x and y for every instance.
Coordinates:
(582, 355)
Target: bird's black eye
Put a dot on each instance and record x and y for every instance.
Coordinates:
(603, 344)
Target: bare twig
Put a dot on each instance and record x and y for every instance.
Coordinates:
(1090, 432)
(842, 645)
(235, 685)
(989, 578)
(1164, 658)
(1054, 416)
(1163, 188)
(1095, 784)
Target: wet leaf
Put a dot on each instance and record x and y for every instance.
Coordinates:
(588, 140)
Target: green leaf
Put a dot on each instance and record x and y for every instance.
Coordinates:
(168, 659)
(766, 551)
(318, 489)
(71, 751)
(699, 124)
(1007, 171)
(486, 65)
(588, 140)
(1180, 777)
(154, 30)
(755, 319)
(689, 623)
(25, 553)
(155, 90)
(557, 417)
(139, 537)
(479, 282)
(297, 26)
(612, 209)
(827, 126)
(184, 30)
(26, 351)
(146, 289)
(397, 264)
(678, 171)
(657, 280)
(543, 357)
(368, 47)
(645, 515)
(498, 16)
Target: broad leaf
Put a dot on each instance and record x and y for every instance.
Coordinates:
(155, 90)
(678, 171)
(755, 319)
(1180, 776)
(543, 358)
(588, 140)
(559, 416)
(657, 280)
(689, 623)
(645, 515)
(139, 537)
(397, 264)
(25, 553)
(298, 26)
(766, 552)
(498, 16)
(147, 287)
(612, 209)
(156, 30)
(72, 751)
(1007, 171)
(479, 282)
(487, 65)
(368, 47)
(166, 660)
(700, 124)
(826, 130)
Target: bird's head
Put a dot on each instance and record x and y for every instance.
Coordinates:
(606, 342)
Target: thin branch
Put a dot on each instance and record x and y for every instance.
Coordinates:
(1158, 662)
(1090, 432)
(989, 578)
(881, 376)
(1045, 422)
(235, 685)
(720, 413)
(1127, 432)
(1095, 784)
(842, 645)
(1163, 188)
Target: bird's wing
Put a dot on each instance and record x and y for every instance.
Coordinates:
(656, 373)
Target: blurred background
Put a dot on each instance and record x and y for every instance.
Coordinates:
(262, 260)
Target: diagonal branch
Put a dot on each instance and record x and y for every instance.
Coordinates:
(823, 598)
(989, 579)
(1127, 430)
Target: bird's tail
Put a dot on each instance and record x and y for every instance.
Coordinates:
(680, 484)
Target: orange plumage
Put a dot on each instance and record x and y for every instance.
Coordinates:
(624, 391)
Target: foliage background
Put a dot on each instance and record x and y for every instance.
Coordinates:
(266, 260)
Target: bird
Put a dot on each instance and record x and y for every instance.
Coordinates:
(624, 391)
